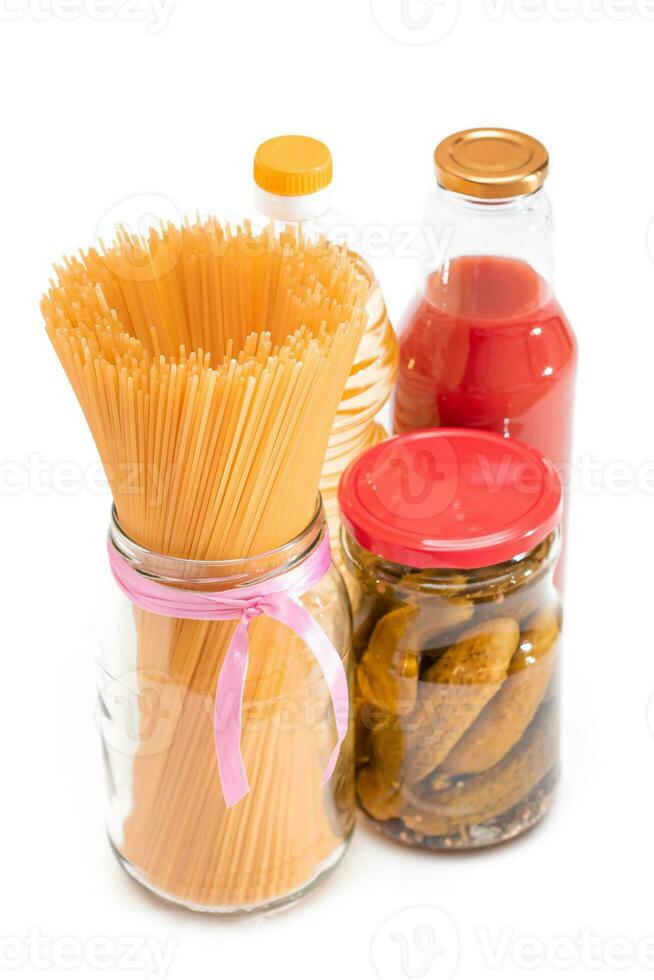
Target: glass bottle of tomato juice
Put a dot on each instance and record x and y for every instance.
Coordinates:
(485, 344)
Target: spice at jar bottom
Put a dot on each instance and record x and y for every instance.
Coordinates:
(457, 669)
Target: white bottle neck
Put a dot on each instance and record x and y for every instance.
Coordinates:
(305, 207)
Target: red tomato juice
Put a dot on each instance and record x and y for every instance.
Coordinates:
(488, 347)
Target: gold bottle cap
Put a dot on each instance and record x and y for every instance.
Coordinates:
(491, 163)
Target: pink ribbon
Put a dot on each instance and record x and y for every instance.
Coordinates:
(276, 597)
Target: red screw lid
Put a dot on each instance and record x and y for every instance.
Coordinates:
(450, 498)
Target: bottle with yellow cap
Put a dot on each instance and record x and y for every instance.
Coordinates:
(292, 178)
(486, 344)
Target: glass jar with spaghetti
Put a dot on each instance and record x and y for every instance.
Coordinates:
(450, 542)
(223, 706)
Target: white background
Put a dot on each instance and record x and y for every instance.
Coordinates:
(98, 111)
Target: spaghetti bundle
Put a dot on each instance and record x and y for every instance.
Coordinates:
(209, 364)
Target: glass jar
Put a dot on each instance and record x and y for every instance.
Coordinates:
(167, 819)
(450, 543)
(485, 344)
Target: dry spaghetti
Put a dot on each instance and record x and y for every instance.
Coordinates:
(209, 364)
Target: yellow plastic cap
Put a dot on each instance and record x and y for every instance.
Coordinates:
(292, 166)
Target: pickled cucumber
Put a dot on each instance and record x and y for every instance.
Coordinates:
(452, 694)
(504, 720)
(380, 799)
(480, 798)
(389, 669)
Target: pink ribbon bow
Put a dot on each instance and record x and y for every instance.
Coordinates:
(276, 597)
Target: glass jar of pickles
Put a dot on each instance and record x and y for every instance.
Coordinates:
(450, 540)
